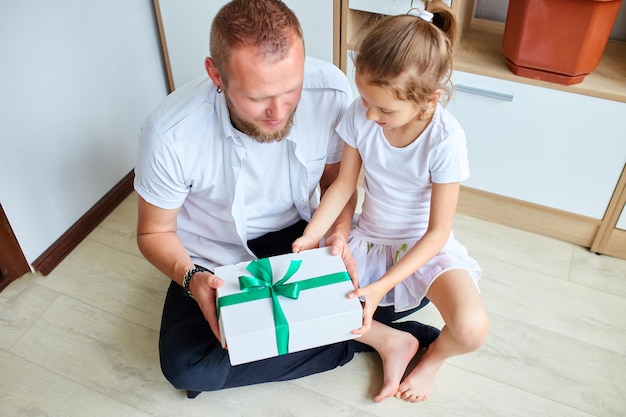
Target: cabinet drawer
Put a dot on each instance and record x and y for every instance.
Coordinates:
(543, 146)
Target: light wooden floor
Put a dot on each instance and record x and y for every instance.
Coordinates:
(83, 341)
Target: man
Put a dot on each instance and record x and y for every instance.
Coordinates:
(227, 171)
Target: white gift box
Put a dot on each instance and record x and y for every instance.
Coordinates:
(322, 313)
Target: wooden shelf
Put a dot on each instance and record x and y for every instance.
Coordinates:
(480, 52)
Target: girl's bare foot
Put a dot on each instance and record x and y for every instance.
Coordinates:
(396, 353)
(418, 385)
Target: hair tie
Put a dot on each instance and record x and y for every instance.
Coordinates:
(422, 14)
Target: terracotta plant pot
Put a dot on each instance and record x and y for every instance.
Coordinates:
(560, 41)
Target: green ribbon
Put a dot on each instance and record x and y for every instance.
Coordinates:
(260, 286)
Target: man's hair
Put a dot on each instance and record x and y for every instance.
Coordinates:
(268, 25)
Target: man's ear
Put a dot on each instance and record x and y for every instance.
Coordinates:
(213, 73)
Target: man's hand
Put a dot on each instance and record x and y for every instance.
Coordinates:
(339, 246)
(203, 287)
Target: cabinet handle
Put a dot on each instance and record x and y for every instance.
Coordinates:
(481, 92)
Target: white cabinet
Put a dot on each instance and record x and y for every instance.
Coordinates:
(543, 146)
(186, 26)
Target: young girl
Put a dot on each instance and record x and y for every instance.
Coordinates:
(413, 154)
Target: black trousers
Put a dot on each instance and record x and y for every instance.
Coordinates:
(193, 359)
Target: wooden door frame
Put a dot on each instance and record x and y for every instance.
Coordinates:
(608, 229)
(13, 263)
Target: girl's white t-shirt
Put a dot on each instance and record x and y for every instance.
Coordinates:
(398, 181)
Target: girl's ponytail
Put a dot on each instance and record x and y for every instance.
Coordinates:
(444, 18)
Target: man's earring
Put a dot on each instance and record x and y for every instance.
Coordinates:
(219, 90)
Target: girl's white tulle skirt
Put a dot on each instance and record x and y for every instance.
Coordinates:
(373, 258)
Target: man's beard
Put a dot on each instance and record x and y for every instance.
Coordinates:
(252, 130)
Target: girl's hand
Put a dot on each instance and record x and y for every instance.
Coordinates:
(371, 296)
(304, 242)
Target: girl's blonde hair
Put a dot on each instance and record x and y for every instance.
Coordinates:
(409, 55)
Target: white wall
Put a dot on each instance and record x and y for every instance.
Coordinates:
(78, 80)
(187, 25)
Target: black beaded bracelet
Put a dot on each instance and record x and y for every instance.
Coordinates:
(187, 278)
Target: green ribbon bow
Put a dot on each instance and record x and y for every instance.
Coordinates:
(260, 286)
